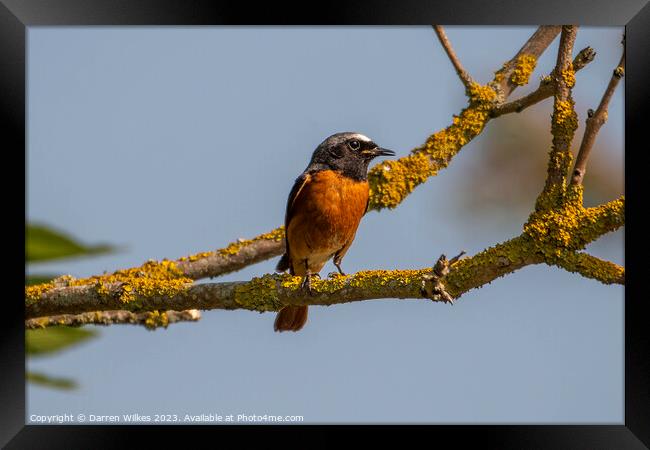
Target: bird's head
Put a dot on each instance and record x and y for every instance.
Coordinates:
(347, 152)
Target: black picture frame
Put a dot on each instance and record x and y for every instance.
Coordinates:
(17, 15)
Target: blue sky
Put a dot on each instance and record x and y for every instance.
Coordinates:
(168, 141)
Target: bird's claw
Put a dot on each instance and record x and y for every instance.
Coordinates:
(334, 275)
(306, 282)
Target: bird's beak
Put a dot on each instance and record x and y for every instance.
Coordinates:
(378, 151)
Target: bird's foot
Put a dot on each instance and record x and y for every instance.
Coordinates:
(306, 282)
(432, 285)
(335, 275)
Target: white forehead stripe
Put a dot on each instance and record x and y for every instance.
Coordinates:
(361, 137)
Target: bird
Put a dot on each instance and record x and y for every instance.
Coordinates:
(323, 212)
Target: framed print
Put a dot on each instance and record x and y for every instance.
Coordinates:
(359, 215)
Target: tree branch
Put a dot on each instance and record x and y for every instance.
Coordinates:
(464, 76)
(272, 292)
(605, 218)
(564, 120)
(546, 87)
(235, 256)
(392, 181)
(591, 267)
(595, 121)
(534, 47)
(150, 319)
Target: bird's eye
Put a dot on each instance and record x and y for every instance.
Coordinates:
(354, 145)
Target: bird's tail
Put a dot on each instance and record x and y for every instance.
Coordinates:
(291, 318)
(284, 264)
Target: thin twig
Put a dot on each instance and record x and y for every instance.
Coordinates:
(595, 120)
(444, 40)
(237, 255)
(150, 320)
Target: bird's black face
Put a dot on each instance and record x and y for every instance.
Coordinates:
(350, 153)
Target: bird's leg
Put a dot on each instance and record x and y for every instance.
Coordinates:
(306, 282)
(337, 262)
(435, 289)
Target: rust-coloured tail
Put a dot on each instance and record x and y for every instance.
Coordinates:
(291, 318)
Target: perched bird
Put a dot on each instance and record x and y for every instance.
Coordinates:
(323, 212)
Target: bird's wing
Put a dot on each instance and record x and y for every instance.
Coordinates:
(299, 184)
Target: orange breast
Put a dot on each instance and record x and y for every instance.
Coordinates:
(325, 217)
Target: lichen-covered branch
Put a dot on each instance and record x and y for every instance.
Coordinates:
(149, 319)
(516, 72)
(546, 87)
(595, 121)
(564, 119)
(392, 181)
(272, 292)
(591, 267)
(464, 76)
(490, 264)
(605, 218)
(235, 256)
(545, 239)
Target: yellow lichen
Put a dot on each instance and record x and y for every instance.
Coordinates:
(376, 281)
(524, 67)
(235, 247)
(569, 76)
(565, 119)
(153, 278)
(198, 256)
(156, 319)
(561, 225)
(589, 266)
(101, 287)
(563, 126)
(263, 293)
(479, 93)
(391, 181)
(260, 294)
(500, 74)
(33, 293)
(507, 255)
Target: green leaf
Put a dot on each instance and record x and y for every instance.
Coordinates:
(31, 280)
(43, 243)
(44, 380)
(52, 340)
